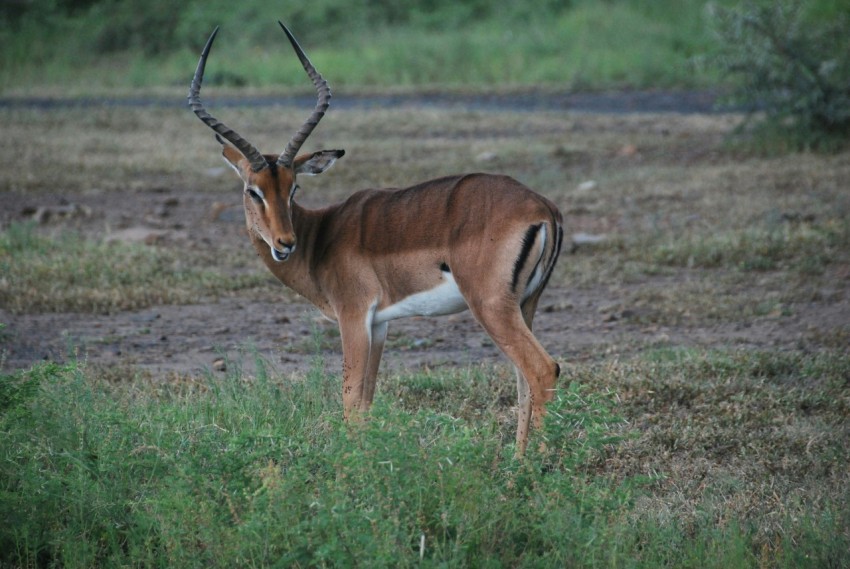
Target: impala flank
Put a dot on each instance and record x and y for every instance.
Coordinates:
(476, 241)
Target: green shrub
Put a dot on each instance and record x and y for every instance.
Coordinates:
(792, 66)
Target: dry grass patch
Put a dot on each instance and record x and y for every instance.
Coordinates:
(734, 437)
(66, 273)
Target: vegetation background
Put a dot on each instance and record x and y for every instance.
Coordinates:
(658, 452)
(87, 45)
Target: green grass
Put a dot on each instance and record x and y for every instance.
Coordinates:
(69, 273)
(260, 471)
(579, 43)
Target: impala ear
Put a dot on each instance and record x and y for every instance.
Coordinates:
(233, 158)
(316, 163)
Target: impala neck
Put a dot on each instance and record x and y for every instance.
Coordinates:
(298, 272)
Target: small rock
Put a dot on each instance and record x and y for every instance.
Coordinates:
(628, 150)
(587, 186)
(487, 156)
(581, 239)
(609, 308)
(137, 235)
(145, 317)
(216, 172)
(163, 209)
(558, 306)
(46, 213)
(219, 364)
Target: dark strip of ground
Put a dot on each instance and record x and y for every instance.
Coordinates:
(686, 102)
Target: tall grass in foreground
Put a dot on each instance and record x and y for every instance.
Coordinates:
(261, 472)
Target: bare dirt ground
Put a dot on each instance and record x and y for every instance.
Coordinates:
(574, 322)
(189, 339)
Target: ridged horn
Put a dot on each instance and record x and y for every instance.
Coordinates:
(257, 161)
(324, 97)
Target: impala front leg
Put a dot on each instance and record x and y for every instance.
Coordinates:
(356, 343)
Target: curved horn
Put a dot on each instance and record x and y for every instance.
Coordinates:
(248, 151)
(324, 97)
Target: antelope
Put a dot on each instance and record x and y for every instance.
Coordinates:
(477, 241)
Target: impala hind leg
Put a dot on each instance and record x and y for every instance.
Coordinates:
(528, 308)
(376, 350)
(506, 324)
(523, 410)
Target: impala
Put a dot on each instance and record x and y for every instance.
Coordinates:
(476, 241)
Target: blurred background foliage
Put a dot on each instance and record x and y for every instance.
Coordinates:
(790, 65)
(584, 44)
(790, 59)
(579, 43)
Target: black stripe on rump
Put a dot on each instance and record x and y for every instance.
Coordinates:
(527, 242)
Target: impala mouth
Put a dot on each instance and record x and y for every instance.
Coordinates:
(281, 256)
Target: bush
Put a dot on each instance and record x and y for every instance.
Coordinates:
(792, 65)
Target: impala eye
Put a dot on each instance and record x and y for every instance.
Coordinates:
(254, 195)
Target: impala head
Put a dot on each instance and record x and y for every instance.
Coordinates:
(270, 180)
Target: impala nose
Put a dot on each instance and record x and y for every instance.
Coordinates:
(286, 246)
(283, 250)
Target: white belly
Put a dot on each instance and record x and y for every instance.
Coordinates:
(444, 298)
